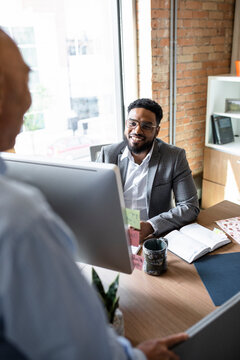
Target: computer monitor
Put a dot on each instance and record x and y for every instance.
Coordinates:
(89, 198)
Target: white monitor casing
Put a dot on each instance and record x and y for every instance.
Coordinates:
(89, 198)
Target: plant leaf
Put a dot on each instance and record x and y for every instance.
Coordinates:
(113, 288)
(98, 284)
(111, 294)
(113, 310)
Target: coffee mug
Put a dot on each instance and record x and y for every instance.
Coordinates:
(155, 256)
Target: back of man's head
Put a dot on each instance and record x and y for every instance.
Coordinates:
(15, 98)
(7, 46)
(148, 104)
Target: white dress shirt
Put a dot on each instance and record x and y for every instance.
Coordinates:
(135, 187)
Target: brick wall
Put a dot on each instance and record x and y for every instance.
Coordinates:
(204, 40)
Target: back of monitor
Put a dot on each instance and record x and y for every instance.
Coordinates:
(89, 198)
(215, 337)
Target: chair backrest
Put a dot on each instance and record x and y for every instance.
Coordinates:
(95, 150)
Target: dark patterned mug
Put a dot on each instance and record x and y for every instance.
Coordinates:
(155, 256)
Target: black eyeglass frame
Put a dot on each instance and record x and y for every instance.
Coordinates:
(143, 125)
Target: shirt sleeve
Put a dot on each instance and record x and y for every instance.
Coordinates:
(186, 207)
(132, 353)
(125, 347)
(153, 226)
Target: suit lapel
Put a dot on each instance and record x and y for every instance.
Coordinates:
(153, 165)
(123, 165)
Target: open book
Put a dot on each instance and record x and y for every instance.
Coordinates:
(193, 241)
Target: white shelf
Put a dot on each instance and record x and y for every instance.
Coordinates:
(231, 115)
(225, 77)
(220, 88)
(231, 148)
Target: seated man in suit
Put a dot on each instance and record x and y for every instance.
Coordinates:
(151, 170)
(47, 308)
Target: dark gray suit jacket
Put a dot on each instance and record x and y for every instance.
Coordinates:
(169, 174)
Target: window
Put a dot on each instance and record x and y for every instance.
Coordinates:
(72, 47)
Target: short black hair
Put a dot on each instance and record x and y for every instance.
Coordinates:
(148, 104)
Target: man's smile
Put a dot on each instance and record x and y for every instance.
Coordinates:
(136, 138)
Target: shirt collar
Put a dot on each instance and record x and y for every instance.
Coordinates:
(3, 166)
(127, 153)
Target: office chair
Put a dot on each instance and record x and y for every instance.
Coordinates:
(95, 150)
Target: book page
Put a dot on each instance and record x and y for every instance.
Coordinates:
(185, 247)
(205, 236)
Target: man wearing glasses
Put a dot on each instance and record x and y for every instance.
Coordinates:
(152, 171)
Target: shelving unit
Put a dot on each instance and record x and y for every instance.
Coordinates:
(221, 173)
(221, 88)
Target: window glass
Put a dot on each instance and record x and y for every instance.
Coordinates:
(72, 49)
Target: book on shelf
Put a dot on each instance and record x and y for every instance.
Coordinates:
(222, 130)
(193, 241)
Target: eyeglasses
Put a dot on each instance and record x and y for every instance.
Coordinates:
(145, 126)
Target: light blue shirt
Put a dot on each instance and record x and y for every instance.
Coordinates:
(49, 311)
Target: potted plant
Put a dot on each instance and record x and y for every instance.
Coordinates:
(110, 301)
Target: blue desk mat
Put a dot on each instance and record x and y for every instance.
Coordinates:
(220, 275)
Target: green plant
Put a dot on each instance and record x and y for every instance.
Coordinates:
(109, 298)
(34, 121)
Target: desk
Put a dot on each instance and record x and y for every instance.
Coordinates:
(160, 306)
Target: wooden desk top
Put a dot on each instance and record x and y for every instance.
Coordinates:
(160, 306)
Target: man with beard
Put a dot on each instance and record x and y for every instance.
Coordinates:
(151, 171)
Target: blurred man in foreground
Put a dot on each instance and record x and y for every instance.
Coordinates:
(47, 308)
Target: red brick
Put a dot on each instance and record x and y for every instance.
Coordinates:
(162, 33)
(163, 132)
(185, 14)
(215, 15)
(200, 14)
(217, 40)
(180, 114)
(164, 42)
(157, 51)
(156, 14)
(190, 5)
(181, 99)
(191, 23)
(154, 24)
(201, 57)
(160, 4)
(209, 5)
(163, 93)
(185, 58)
(226, 7)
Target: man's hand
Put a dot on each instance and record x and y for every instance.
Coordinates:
(158, 349)
(146, 229)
